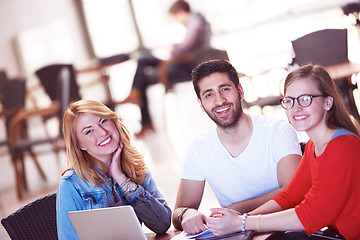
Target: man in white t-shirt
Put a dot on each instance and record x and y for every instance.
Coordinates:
(247, 160)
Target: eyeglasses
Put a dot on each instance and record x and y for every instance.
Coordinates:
(303, 100)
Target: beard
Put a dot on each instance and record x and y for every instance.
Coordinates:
(229, 121)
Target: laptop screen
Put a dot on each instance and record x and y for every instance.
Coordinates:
(118, 222)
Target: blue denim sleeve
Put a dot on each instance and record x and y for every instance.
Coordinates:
(150, 206)
(67, 199)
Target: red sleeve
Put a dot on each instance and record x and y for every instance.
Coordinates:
(331, 184)
(299, 184)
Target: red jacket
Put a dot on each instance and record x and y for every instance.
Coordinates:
(325, 190)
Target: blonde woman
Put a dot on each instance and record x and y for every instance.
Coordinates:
(105, 170)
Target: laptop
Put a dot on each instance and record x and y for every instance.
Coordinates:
(120, 223)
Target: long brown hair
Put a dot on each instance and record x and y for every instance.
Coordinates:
(338, 116)
(85, 165)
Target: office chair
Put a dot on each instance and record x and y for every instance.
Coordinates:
(327, 47)
(36, 220)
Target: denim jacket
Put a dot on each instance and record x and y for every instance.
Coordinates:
(74, 194)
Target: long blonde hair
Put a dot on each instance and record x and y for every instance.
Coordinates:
(86, 166)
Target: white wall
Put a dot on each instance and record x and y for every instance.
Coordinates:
(18, 17)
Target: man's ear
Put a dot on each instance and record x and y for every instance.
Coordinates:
(241, 91)
(200, 103)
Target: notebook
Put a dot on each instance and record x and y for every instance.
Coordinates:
(207, 235)
(120, 223)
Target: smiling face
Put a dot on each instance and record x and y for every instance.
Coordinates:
(97, 136)
(221, 100)
(307, 118)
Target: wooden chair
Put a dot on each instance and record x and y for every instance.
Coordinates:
(12, 100)
(36, 220)
(13, 104)
(59, 82)
(3, 80)
(48, 75)
(21, 142)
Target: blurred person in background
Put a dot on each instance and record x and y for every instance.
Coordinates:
(151, 70)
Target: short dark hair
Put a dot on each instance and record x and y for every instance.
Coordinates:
(207, 68)
(179, 5)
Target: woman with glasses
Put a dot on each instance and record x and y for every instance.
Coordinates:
(325, 190)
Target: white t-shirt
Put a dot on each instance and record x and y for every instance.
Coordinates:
(253, 172)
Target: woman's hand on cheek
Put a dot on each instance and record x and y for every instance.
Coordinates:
(115, 168)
